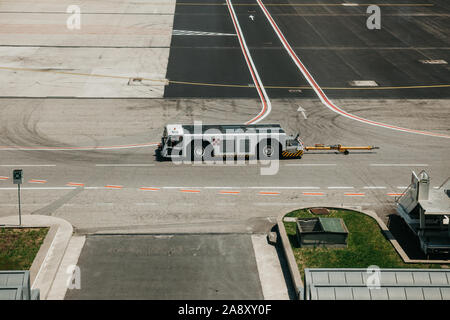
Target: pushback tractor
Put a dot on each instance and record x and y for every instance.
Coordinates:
(206, 142)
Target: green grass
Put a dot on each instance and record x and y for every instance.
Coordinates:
(19, 246)
(366, 245)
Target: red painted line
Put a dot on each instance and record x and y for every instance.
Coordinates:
(320, 92)
(313, 193)
(395, 194)
(76, 184)
(229, 192)
(269, 193)
(149, 189)
(114, 187)
(250, 67)
(4, 178)
(184, 190)
(37, 181)
(354, 194)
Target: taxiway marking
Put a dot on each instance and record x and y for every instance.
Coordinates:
(37, 181)
(255, 76)
(398, 165)
(321, 94)
(123, 165)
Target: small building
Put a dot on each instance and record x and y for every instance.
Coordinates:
(426, 211)
(322, 232)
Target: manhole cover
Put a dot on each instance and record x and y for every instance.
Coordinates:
(321, 211)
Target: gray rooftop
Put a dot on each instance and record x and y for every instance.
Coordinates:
(14, 279)
(395, 284)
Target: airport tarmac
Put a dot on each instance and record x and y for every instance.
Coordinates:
(82, 110)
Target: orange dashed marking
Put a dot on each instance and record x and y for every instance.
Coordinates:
(313, 193)
(193, 191)
(4, 178)
(37, 181)
(269, 193)
(149, 189)
(395, 194)
(75, 184)
(229, 192)
(354, 194)
(114, 187)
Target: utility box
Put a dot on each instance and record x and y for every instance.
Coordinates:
(322, 232)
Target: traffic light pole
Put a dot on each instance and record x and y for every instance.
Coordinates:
(20, 213)
(18, 179)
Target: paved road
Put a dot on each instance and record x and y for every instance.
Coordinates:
(367, 178)
(168, 267)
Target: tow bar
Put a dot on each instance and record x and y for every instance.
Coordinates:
(339, 148)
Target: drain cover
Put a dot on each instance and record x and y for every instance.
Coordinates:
(320, 211)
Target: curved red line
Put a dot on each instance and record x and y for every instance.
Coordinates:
(255, 81)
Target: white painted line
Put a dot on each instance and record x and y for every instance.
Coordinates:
(363, 83)
(267, 107)
(238, 188)
(131, 146)
(24, 204)
(199, 33)
(369, 187)
(398, 165)
(340, 187)
(293, 188)
(402, 187)
(321, 94)
(310, 164)
(347, 4)
(220, 188)
(27, 165)
(146, 203)
(278, 203)
(437, 61)
(40, 188)
(300, 109)
(124, 165)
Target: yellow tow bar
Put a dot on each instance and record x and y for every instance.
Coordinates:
(339, 148)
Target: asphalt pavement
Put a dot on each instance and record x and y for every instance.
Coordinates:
(168, 267)
(332, 40)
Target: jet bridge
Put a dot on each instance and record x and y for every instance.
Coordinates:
(426, 211)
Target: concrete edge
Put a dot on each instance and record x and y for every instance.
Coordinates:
(42, 253)
(289, 254)
(47, 264)
(69, 263)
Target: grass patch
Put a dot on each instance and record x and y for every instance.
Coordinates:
(19, 246)
(366, 245)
